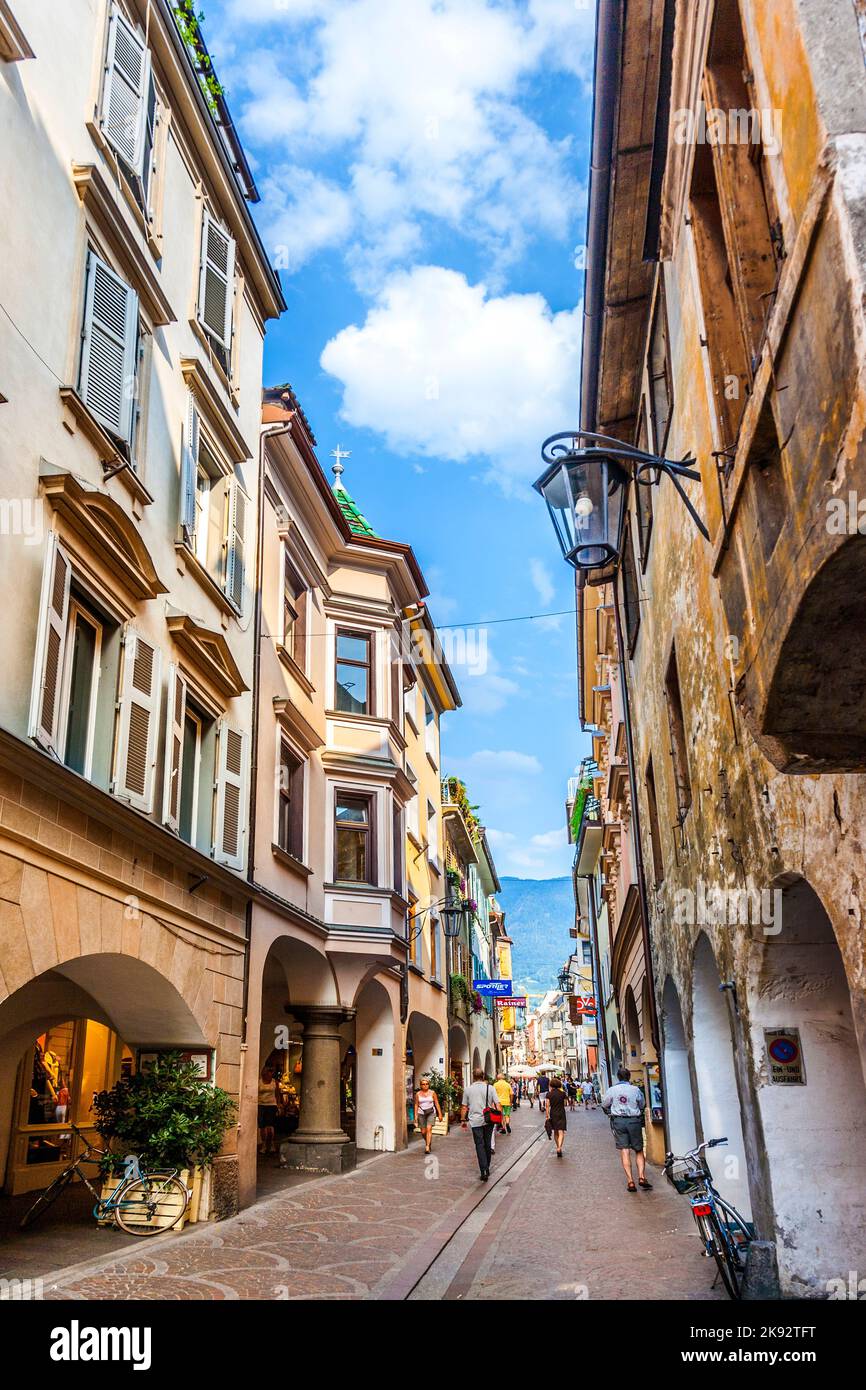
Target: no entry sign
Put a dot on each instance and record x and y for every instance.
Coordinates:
(784, 1057)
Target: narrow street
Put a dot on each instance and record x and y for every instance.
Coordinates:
(389, 1232)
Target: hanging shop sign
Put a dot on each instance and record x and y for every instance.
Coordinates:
(492, 987)
(511, 1001)
(202, 1058)
(784, 1057)
(585, 1003)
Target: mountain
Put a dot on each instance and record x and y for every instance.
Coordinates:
(538, 914)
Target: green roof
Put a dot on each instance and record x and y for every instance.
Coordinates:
(358, 523)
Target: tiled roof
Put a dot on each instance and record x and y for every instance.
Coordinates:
(358, 523)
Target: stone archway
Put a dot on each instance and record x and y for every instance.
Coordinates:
(798, 983)
(615, 1054)
(476, 1060)
(632, 1031)
(109, 995)
(488, 1063)
(718, 1097)
(458, 1056)
(675, 1071)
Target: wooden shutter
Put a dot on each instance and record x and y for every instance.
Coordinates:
(126, 91)
(108, 351)
(216, 281)
(45, 717)
(189, 473)
(175, 713)
(236, 518)
(228, 845)
(135, 745)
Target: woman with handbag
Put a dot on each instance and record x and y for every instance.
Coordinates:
(480, 1108)
(555, 1114)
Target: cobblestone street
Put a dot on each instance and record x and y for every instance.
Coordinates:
(547, 1229)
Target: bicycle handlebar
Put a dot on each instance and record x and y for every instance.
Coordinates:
(693, 1153)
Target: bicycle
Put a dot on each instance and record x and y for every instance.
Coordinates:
(142, 1204)
(726, 1234)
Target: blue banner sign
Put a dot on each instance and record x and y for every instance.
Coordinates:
(492, 986)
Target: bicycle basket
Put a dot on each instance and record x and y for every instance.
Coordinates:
(684, 1175)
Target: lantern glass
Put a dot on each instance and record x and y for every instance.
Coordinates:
(452, 918)
(584, 492)
(564, 981)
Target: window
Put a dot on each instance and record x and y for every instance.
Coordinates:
(435, 950)
(109, 350)
(354, 860)
(129, 112)
(410, 703)
(294, 637)
(431, 731)
(189, 755)
(135, 745)
(655, 835)
(354, 672)
(659, 369)
(81, 678)
(398, 849)
(631, 597)
(193, 739)
(396, 685)
(679, 752)
(413, 814)
(290, 828)
(216, 287)
(432, 836)
(414, 930)
(229, 818)
(587, 952)
(213, 510)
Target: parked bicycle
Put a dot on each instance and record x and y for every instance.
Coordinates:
(142, 1204)
(726, 1234)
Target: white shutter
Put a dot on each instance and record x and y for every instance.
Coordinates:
(106, 381)
(189, 473)
(175, 713)
(45, 712)
(216, 280)
(125, 91)
(236, 520)
(228, 847)
(135, 747)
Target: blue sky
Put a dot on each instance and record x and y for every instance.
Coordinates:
(423, 168)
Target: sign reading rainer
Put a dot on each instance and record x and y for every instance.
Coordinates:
(784, 1057)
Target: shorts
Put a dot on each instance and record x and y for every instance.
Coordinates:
(627, 1132)
(267, 1116)
(506, 1111)
(425, 1118)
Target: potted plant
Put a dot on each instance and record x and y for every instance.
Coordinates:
(169, 1117)
(447, 1091)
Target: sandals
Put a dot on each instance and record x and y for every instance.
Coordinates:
(631, 1187)
(642, 1182)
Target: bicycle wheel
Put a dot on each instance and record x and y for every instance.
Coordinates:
(728, 1262)
(151, 1205)
(44, 1200)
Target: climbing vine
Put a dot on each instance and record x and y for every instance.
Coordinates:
(189, 24)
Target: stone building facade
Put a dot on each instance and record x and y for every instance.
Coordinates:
(725, 321)
(136, 291)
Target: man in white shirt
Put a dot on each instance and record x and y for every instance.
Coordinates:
(626, 1104)
(477, 1098)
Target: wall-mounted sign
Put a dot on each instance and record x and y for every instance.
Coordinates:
(492, 987)
(202, 1058)
(585, 1003)
(784, 1057)
(511, 1001)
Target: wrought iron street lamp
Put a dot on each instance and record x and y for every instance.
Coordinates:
(565, 979)
(585, 487)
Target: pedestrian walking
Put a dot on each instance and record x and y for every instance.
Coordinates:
(626, 1104)
(427, 1111)
(571, 1091)
(555, 1113)
(479, 1109)
(503, 1089)
(588, 1098)
(543, 1088)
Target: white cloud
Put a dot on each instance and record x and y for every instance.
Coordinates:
(551, 839)
(421, 102)
(442, 368)
(305, 214)
(488, 695)
(504, 762)
(542, 581)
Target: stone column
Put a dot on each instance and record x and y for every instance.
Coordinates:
(319, 1142)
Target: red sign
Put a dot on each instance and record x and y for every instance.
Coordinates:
(585, 1003)
(514, 1001)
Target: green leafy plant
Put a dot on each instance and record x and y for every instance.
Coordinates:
(460, 797)
(460, 990)
(189, 24)
(445, 1088)
(166, 1114)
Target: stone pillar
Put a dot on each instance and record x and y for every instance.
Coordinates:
(319, 1143)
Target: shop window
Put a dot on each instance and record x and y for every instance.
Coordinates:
(679, 751)
(354, 839)
(655, 836)
(290, 834)
(354, 672)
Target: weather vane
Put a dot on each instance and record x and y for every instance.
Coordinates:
(338, 455)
